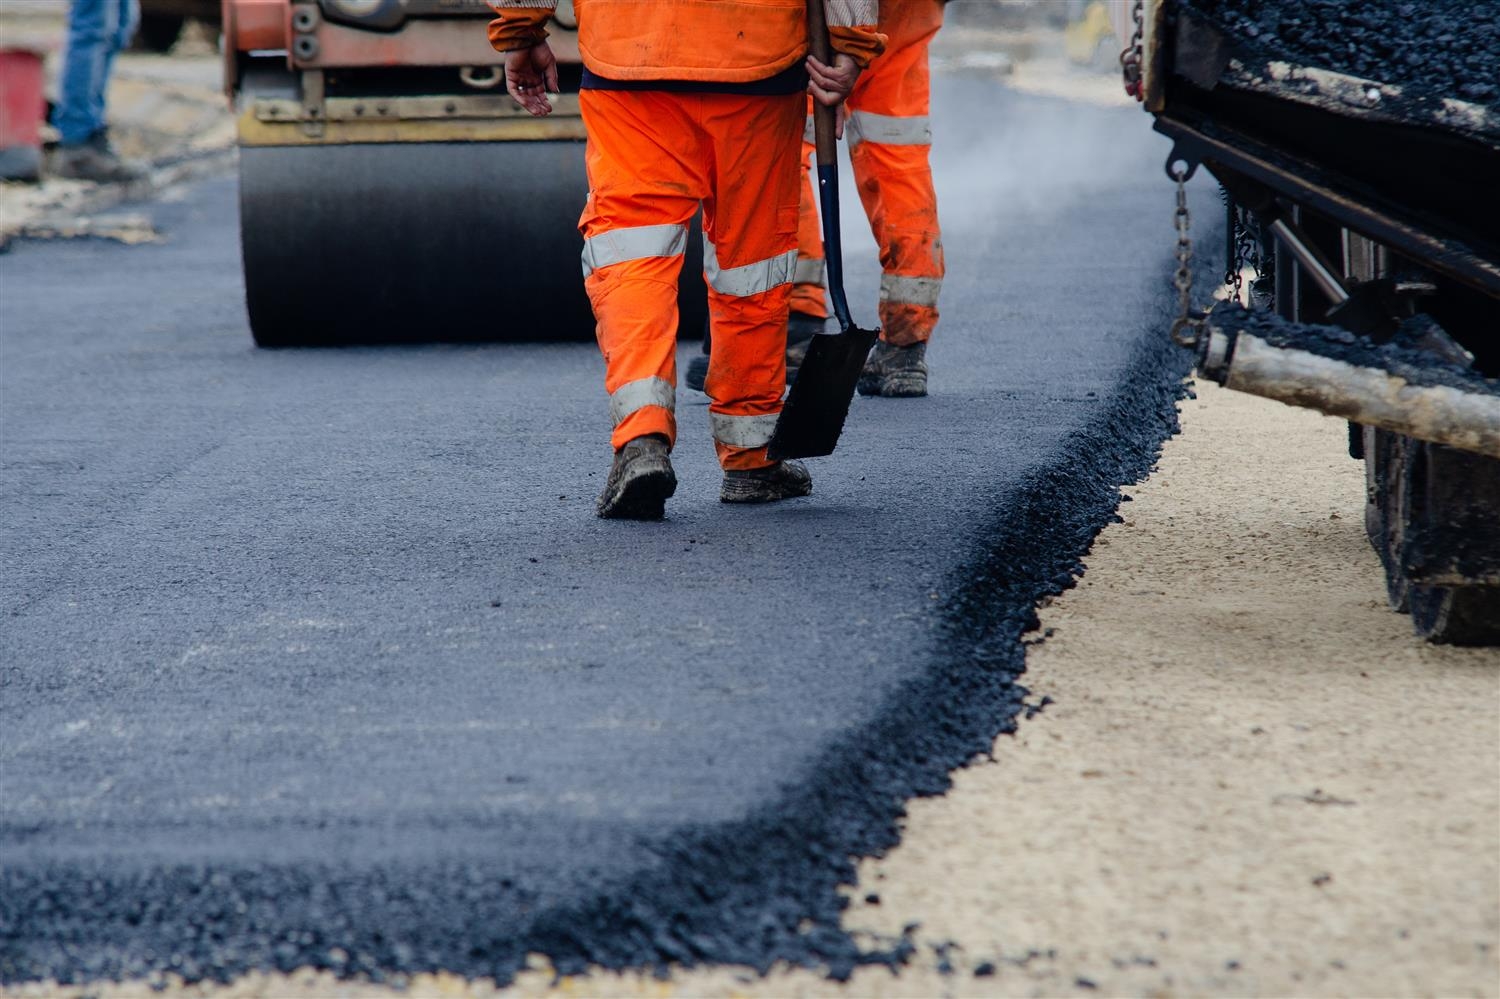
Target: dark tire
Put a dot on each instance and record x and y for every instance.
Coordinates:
(1442, 544)
(1449, 615)
(158, 32)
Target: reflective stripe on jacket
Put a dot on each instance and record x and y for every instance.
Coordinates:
(710, 40)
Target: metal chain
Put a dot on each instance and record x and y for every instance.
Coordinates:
(1248, 245)
(1185, 327)
(1236, 262)
(1243, 247)
(1131, 55)
(1232, 280)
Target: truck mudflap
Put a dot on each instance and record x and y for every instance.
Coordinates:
(1394, 386)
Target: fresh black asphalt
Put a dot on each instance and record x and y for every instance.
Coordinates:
(321, 657)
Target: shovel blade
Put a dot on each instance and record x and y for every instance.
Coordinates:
(813, 416)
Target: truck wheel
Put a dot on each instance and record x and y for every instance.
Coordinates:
(1450, 615)
(158, 32)
(1443, 541)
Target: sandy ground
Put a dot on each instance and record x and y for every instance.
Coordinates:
(169, 111)
(1251, 779)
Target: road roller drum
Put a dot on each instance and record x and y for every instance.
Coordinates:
(412, 241)
(391, 191)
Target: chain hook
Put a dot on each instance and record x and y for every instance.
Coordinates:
(1186, 327)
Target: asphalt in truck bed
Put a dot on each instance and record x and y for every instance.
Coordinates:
(321, 657)
(1438, 48)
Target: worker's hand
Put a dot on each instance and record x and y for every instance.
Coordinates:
(531, 74)
(832, 85)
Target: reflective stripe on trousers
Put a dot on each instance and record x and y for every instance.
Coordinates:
(637, 395)
(910, 290)
(810, 270)
(749, 279)
(615, 246)
(888, 130)
(743, 431)
(892, 130)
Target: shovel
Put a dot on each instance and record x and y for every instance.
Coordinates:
(814, 412)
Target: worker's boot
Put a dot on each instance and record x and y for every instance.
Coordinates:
(800, 329)
(640, 480)
(96, 160)
(899, 372)
(780, 481)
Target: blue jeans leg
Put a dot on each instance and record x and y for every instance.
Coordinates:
(97, 29)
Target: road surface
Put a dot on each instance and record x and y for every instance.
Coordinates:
(320, 658)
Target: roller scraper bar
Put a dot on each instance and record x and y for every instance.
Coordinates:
(1415, 395)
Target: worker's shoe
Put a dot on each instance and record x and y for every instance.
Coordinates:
(780, 481)
(898, 372)
(800, 329)
(640, 480)
(96, 160)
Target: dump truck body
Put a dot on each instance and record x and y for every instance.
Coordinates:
(1363, 170)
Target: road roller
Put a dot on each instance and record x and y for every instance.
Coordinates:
(390, 188)
(1358, 160)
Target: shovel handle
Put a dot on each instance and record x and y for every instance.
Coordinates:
(821, 48)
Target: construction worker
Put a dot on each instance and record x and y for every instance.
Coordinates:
(889, 142)
(690, 102)
(97, 31)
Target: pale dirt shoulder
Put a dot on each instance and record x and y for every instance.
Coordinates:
(169, 111)
(1251, 780)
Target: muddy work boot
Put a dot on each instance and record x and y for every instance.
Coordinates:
(96, 160)
(897, 372)
(639, 481)
(780, 481)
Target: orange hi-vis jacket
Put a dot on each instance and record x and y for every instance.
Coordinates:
(721, 41)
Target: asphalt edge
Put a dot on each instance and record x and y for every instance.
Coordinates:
(767, 891)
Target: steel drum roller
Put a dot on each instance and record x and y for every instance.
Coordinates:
(420, 242)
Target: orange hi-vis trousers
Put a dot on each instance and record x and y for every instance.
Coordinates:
(653, 157)
(889, 142)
